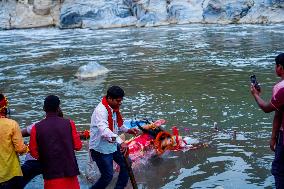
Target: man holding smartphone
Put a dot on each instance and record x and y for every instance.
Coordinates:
(276, 104)
(105, 144)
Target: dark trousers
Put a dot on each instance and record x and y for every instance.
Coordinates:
(105, 165)
(30, 169)
(13, 183)
(278, 163)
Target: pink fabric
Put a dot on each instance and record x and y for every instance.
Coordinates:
(277, 87)
(277, 99)
(139, 143)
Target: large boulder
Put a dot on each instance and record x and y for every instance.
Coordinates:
(185, 11)
(268, 11)
(6, 10)
(149, 12)
(25, 17)
(28, 13)
(229, 11)
(95, 14)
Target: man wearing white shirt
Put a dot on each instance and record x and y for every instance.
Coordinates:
(105, 144)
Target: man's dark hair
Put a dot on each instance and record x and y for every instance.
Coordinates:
(115, 92)
(1, 96)
(51, 103)
(280, 59)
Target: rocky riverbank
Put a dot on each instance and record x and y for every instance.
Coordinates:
(97, 14)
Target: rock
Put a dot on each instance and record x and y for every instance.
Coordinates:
(95, 14)
(149, 12)
(5, 14)
(268, 15)
(25, 18)
(231, 11)
(42, 7)
(185, 11)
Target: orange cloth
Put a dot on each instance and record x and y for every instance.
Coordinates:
(62, 183)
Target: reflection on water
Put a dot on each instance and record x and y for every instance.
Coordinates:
(192, 76)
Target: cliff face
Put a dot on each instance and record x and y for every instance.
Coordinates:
(141, 13)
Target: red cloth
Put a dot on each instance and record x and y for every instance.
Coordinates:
(62, 183)
(110, 120)
(76, 137)
(33, 144)
(139, 143)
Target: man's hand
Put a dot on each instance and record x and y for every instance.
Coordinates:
(124, 149)
(133, 131)
(272, 144)
(254, 91)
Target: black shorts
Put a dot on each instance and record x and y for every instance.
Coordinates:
(278, 162)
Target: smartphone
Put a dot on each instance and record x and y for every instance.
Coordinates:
(254, 82)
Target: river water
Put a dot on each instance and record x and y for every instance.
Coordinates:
(191, 75)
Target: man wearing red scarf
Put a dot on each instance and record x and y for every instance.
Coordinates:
(105, 144)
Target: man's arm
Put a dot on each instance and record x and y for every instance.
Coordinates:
(133, 131)
(77, 144)
(18, 140)
(33, 144)
(27, 131)
(277, 121)
(267, 107)
(100, 120)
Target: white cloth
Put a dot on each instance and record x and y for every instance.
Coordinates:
(100, 134)
(29, 156)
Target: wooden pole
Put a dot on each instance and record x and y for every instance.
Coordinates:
(130, 172)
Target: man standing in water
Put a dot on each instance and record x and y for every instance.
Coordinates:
(11, 143)
(53, 141)
(31, 167)
(276, 104)
(105, 144)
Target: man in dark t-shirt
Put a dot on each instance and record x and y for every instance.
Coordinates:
(276, 104)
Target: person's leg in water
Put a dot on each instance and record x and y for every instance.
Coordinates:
(123, 176)
(278, 163)
(30, 169)
(105, 165)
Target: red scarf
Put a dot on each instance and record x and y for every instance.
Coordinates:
(110, 120)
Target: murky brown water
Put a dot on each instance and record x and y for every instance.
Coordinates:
(190, 75)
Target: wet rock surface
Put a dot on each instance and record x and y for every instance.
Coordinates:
(96, 14)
